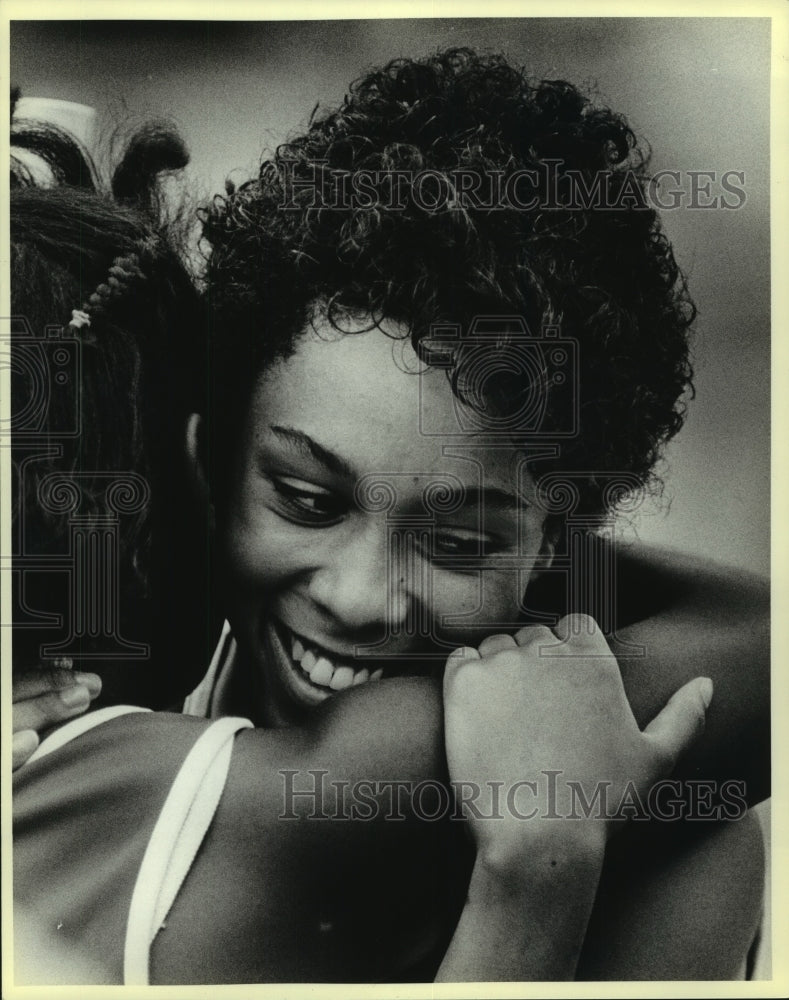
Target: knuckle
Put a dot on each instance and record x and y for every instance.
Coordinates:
(585, 623)
(52, 708)
(494, 643)
(534, 635)
(497, 659)
(583, 632)
(60, 678)
(455, 670)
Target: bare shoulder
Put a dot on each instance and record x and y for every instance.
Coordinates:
(287, 861)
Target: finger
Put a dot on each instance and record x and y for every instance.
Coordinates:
(495, 643)
(23, 745)
(530, 634)
(682, 719)
(460, 655)
(464, 653)
(576, 626)
(45, 680)
(48, 709)
(455, 660)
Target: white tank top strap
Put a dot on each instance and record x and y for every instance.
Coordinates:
(179, 831)
(83, 724)
(202, 701)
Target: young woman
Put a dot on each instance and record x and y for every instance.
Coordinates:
(156, 847)
(307, 561)
(454, 281)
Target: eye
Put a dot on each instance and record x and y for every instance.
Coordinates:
(466, 544)
(306, 504)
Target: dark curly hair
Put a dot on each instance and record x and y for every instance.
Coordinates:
(598, 266)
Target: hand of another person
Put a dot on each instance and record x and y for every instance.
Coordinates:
(542, 716)
(44, 697)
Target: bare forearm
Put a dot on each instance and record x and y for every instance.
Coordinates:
(525, 925)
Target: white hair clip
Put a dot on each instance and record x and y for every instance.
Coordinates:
(79, 318)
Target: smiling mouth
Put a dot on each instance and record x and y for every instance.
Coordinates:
(316, 670)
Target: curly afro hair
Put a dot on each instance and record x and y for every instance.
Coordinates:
(348, 218)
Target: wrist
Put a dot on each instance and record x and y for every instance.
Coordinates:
(512, 862)
(526, 912)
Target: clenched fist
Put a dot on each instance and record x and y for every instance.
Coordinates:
(543, 745)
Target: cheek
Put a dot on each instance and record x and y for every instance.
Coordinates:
(453, 594)
(503, 596)
(487, 602)
(255, 550)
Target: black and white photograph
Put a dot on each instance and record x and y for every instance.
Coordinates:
(386, 554)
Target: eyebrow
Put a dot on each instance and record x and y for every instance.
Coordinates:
(303, 444)
(492, 497)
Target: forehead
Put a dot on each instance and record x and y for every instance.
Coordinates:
(365, 395)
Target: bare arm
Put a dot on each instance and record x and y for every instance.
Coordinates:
(686, 906)
(692, 617)
(512, 713)
(695, 617)
(526, 928)
(371, 886)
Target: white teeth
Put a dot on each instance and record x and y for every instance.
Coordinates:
(343, 678)
(376, 675)
(322, 672)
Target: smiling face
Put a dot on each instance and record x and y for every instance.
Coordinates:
(351, 546)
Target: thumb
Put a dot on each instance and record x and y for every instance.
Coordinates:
(682, 719)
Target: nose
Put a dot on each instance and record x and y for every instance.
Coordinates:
(367, 585)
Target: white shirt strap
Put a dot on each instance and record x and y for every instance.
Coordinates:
(202, 701)
(82, 724)
(182, 824)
